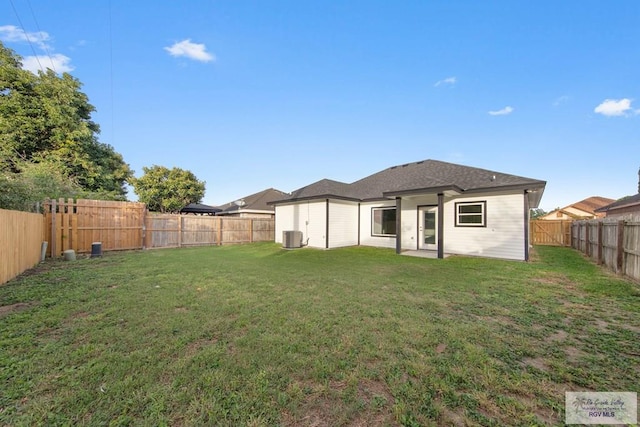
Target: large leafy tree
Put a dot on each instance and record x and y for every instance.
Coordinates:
(46, 118)
(34, 183)
(168, 190)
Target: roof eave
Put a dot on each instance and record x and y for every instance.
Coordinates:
(314, 197)
(449, 190)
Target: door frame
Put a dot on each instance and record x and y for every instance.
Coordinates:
(420, 245)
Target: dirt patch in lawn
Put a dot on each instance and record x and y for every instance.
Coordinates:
(6, 310)
(602, 325)
(559, 336)
(195, 347)
(535, 362)
(333, 404)
(574, 354)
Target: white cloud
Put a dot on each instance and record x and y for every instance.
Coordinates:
(13, 34)
(615, 107)
(448, 81)
(560, 100)
(195, 51)
(57, 62)
(506, 110)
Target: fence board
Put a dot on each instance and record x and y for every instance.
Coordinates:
(617, 242)
(168, 230)
(21, 237)
(76, 225)
(550, 232)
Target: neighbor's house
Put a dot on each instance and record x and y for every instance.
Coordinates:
(427, 205)
(253, 206)
(584, 209)
(627, 207)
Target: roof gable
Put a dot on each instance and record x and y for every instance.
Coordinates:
(257, 201)
(324, 187)
(424, 175)
(590, 204)
(624, 202)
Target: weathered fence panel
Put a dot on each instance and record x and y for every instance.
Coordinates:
(631, 260)
(21, 237)
(611, 242)
(76, 225)
(550, 232)
(170, 231)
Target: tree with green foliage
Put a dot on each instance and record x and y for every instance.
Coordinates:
(45, 118)
(168, 190)
(34, 183)
(537, 213)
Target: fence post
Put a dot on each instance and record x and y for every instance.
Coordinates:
(620, 247)
(571, 235)
(219, 231)
(53, 241)
(180, 231)
(587, 238)
(251, 231)
(600, 244)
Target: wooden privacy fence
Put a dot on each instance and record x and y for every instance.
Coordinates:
(76, 225)
(128, 225)
(21, 236)
(170, 231)
(613, 243)
(551, 232)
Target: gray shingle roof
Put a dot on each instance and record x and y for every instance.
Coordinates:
(625, 201)
(257, 201)
(428, 175)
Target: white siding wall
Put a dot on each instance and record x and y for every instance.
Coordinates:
(343, 220)
(366, 239)
(410, 219)
(503, 237)
(308, 217)
(284, 220)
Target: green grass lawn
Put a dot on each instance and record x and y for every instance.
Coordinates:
(257, 335)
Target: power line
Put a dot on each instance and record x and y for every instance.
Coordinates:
(113, 134)
(26, 35)
(44, 45)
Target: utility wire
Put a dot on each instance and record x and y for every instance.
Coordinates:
(113, 133)
(26, 35)
(44, 45)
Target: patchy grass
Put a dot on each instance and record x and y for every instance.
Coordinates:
(256, 335)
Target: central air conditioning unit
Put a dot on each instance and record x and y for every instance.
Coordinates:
(292, 239)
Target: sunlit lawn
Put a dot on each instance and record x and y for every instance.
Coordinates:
(257, 335)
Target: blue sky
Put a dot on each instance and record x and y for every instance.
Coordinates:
(252, 95)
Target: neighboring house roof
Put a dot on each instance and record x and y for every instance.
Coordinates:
(199, 208)
(417, 177)
(587, 208)
(254, 202)
(625, 202)
(590, 204)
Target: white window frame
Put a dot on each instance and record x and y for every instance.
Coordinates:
(373, 222)
(482, 214)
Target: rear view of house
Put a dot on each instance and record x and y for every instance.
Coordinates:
(428, 205)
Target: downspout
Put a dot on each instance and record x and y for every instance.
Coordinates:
(526, 225)
(440, 225)
(398, 225)
(326, 239)
(358, 223)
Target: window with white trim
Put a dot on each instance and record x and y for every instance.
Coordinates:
(383, 221)
(471, 214)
